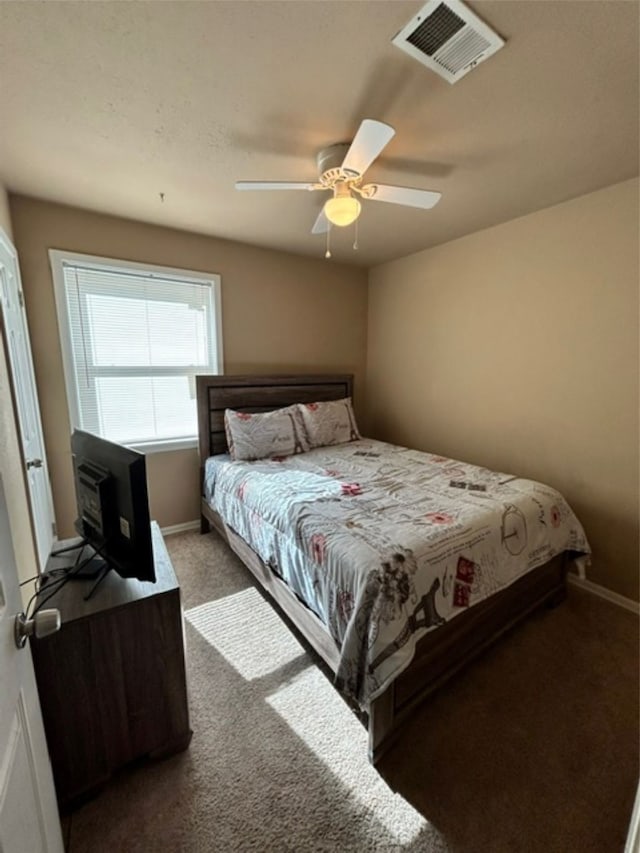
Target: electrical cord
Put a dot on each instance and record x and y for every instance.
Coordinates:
(64, 576)
(81, 544)
(52, 573)
(54, 583)
(52, 588)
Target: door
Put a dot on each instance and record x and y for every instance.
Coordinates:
(28, 813)
(26, 399)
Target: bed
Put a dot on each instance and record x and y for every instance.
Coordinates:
(402, 670)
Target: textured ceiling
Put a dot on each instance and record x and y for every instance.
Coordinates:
(107, 105)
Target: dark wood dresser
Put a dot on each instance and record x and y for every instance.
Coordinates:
(112, 681)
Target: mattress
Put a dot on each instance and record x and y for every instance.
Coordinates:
(385, 543)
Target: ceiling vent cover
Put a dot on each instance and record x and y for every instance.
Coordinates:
(448, 38)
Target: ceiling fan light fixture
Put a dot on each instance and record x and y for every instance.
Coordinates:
(343, 208)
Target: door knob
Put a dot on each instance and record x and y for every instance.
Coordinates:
(43, 623)
(34, 463)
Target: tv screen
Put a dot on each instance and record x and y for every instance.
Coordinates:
(113, 504)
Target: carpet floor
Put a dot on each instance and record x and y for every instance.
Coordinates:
(534, 747)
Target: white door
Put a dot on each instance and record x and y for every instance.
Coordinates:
(26, 399)
(29, 821)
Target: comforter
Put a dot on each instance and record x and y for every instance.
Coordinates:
(385, 543)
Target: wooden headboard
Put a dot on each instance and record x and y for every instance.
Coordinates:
(257, 394)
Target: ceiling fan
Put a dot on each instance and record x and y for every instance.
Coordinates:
(341, 168)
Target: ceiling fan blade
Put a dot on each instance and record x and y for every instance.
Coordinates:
(273, 185)
(401, 195)
(322, 224)
(371, 138)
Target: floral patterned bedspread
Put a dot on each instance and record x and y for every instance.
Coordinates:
(385, 543)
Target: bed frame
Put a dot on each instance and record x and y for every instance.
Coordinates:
(439, 654)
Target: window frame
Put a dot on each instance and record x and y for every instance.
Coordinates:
(57, 260)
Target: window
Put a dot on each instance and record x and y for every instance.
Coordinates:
(133, 339)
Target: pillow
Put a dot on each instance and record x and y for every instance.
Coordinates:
(264, 436)
(331, 422)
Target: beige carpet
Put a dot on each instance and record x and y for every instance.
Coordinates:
(532, 748)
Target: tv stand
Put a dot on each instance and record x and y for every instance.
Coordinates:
(112, 681)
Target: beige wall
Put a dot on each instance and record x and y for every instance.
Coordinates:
(517, 348)
(11, 469)
(280, 313)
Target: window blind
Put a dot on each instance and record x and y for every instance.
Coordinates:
(136, 341)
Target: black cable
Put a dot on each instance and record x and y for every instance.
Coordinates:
(81, 544)
(64, 580)
(61, 570)
(57, 583)
(59, 586)
(66, 573)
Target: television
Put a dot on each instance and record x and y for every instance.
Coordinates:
(113, 508)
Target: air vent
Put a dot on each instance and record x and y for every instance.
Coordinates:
(448, 38)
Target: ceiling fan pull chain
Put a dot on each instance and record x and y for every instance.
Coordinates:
(327, 254)
(355, 242)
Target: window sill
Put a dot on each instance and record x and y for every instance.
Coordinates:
(163, 446)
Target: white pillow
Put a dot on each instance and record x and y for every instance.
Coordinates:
(266, 435)
(331, 422)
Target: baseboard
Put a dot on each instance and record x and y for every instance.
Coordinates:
(603, 592)
(180, 528)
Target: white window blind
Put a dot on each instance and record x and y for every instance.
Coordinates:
(135, 340)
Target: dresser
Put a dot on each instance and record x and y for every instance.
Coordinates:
(112, 680)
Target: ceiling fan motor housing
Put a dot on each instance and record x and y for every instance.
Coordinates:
(329, 162)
